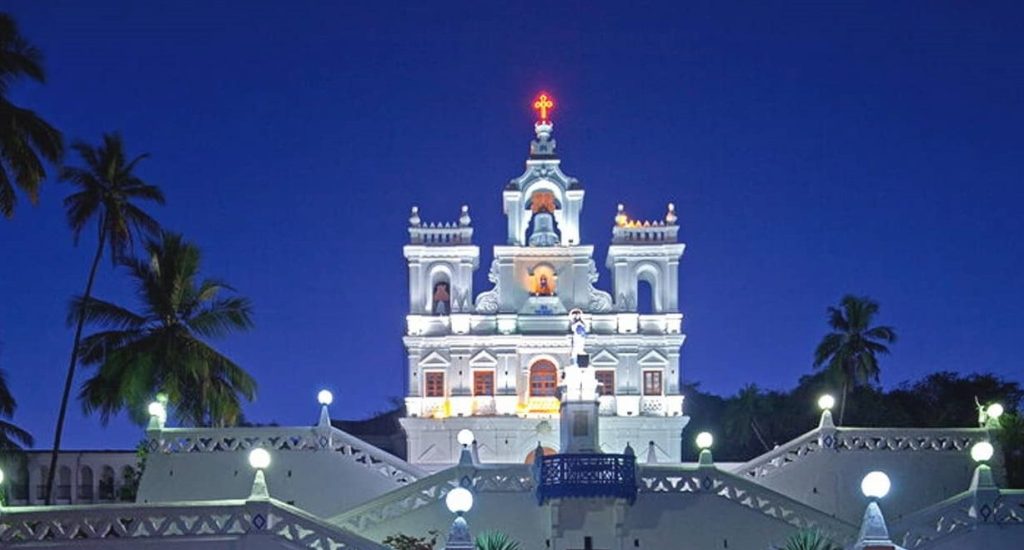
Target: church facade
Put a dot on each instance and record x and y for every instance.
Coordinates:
(491, 361)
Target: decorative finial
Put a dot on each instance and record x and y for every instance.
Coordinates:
(671, 217)
(464, 219)
(620, 216)
(414, 217)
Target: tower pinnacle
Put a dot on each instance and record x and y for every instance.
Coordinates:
(543, 146)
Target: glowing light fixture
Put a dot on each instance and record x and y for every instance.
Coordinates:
(157, 409)
(875, 485)
(994, 411)
(459, 500)
(259, 458)
(542, 105)
(325, 397)
(1, 476)
(982, 451)
(826, 402)
(465, 437)
(705, 440)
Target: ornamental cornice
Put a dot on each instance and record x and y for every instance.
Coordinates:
(644, 250)
(415, 251)
(575, 251)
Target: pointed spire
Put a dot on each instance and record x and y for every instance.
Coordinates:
(464, 219)
(414, 217)
(259, 490)
(652, 453)
(982, 479)
(826, 420)
(873, 531)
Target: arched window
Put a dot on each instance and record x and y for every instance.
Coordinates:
(532, 457)
(44, 474)
(648, 300)
(106, 486)
(64, 483)
(543, 379)
(644, 297)
(85, 491)
(129, 483)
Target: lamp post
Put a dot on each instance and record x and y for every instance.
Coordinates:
(826, 403)
(259, 459)
(325, 398)
(874, 534)
(465, 438)
(704, 442)
(459, 501)
(157, 415)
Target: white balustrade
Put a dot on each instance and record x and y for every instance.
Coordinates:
(184, 523)
(212, 440)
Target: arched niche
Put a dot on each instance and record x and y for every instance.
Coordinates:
(542, 280)
(85, 481)
(439, 291)
(526, 212)
(648, 275)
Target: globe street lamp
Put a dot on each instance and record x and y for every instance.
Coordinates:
(704, 441)
(459, 501)
(259, 459)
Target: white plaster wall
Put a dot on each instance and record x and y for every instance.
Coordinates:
(984, 537)
(515, 513)
(510, 439)
(320, 482)
(830, 480)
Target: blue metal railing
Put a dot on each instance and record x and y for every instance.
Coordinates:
(586, 476)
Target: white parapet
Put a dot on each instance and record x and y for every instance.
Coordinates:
(505, 404)
(627, 405)
(628, 323)
(461, 405)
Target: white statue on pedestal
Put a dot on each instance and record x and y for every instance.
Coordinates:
(580, 381)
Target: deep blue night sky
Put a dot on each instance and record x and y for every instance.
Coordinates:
(811, 151)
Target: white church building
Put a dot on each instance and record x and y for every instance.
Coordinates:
(491, 362)
(549, 410)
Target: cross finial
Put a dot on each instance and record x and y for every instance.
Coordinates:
(542, 105)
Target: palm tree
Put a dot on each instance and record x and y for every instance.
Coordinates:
(24, 136)
(741, 414)
(495, 540)
(12, 438)
(850, 352)
(808, 539)
(107, 190)
(161, 347)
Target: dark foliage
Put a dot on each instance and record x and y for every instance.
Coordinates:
(942, 399)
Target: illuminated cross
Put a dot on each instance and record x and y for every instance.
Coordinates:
(543, 104)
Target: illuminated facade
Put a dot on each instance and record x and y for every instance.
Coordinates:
(492, 361)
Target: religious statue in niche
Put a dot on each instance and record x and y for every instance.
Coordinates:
(544, 286)
(442, 299)
(543, 280)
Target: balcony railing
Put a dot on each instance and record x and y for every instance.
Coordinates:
(586, 476)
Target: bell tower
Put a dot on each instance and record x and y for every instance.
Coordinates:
(646, 253)
(545, 184)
